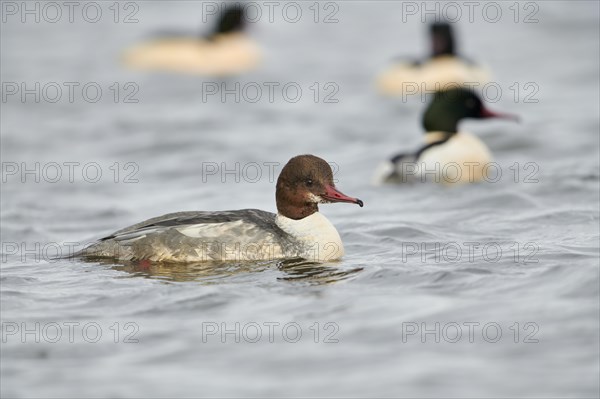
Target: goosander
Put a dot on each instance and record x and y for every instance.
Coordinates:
(226, 51)
(443, 70)
(298, 230)
(447, 156)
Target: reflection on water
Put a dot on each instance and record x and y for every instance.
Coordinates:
(205, 272)
(315, 273)
(297, 270)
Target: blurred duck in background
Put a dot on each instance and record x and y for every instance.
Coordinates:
(227, 50)
(448, 155)
(443, 70)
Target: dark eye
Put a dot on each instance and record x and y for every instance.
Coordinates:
(309, 182)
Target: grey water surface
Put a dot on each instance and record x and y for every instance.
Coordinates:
(486, 290)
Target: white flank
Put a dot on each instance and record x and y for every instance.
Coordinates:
(462, 159)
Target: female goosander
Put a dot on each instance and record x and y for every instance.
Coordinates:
(442, 71)
(448, 156)
(226, 51)
(298, 230)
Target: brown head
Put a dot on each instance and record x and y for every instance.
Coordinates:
(305, 182)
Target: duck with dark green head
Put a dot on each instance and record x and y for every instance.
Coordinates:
(225, 50)
(448, 155)
(442, 69)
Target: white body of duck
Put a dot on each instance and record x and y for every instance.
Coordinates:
(435, 74)
(226, 54)
(298, 230)
(464, 158)
(254, 235)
